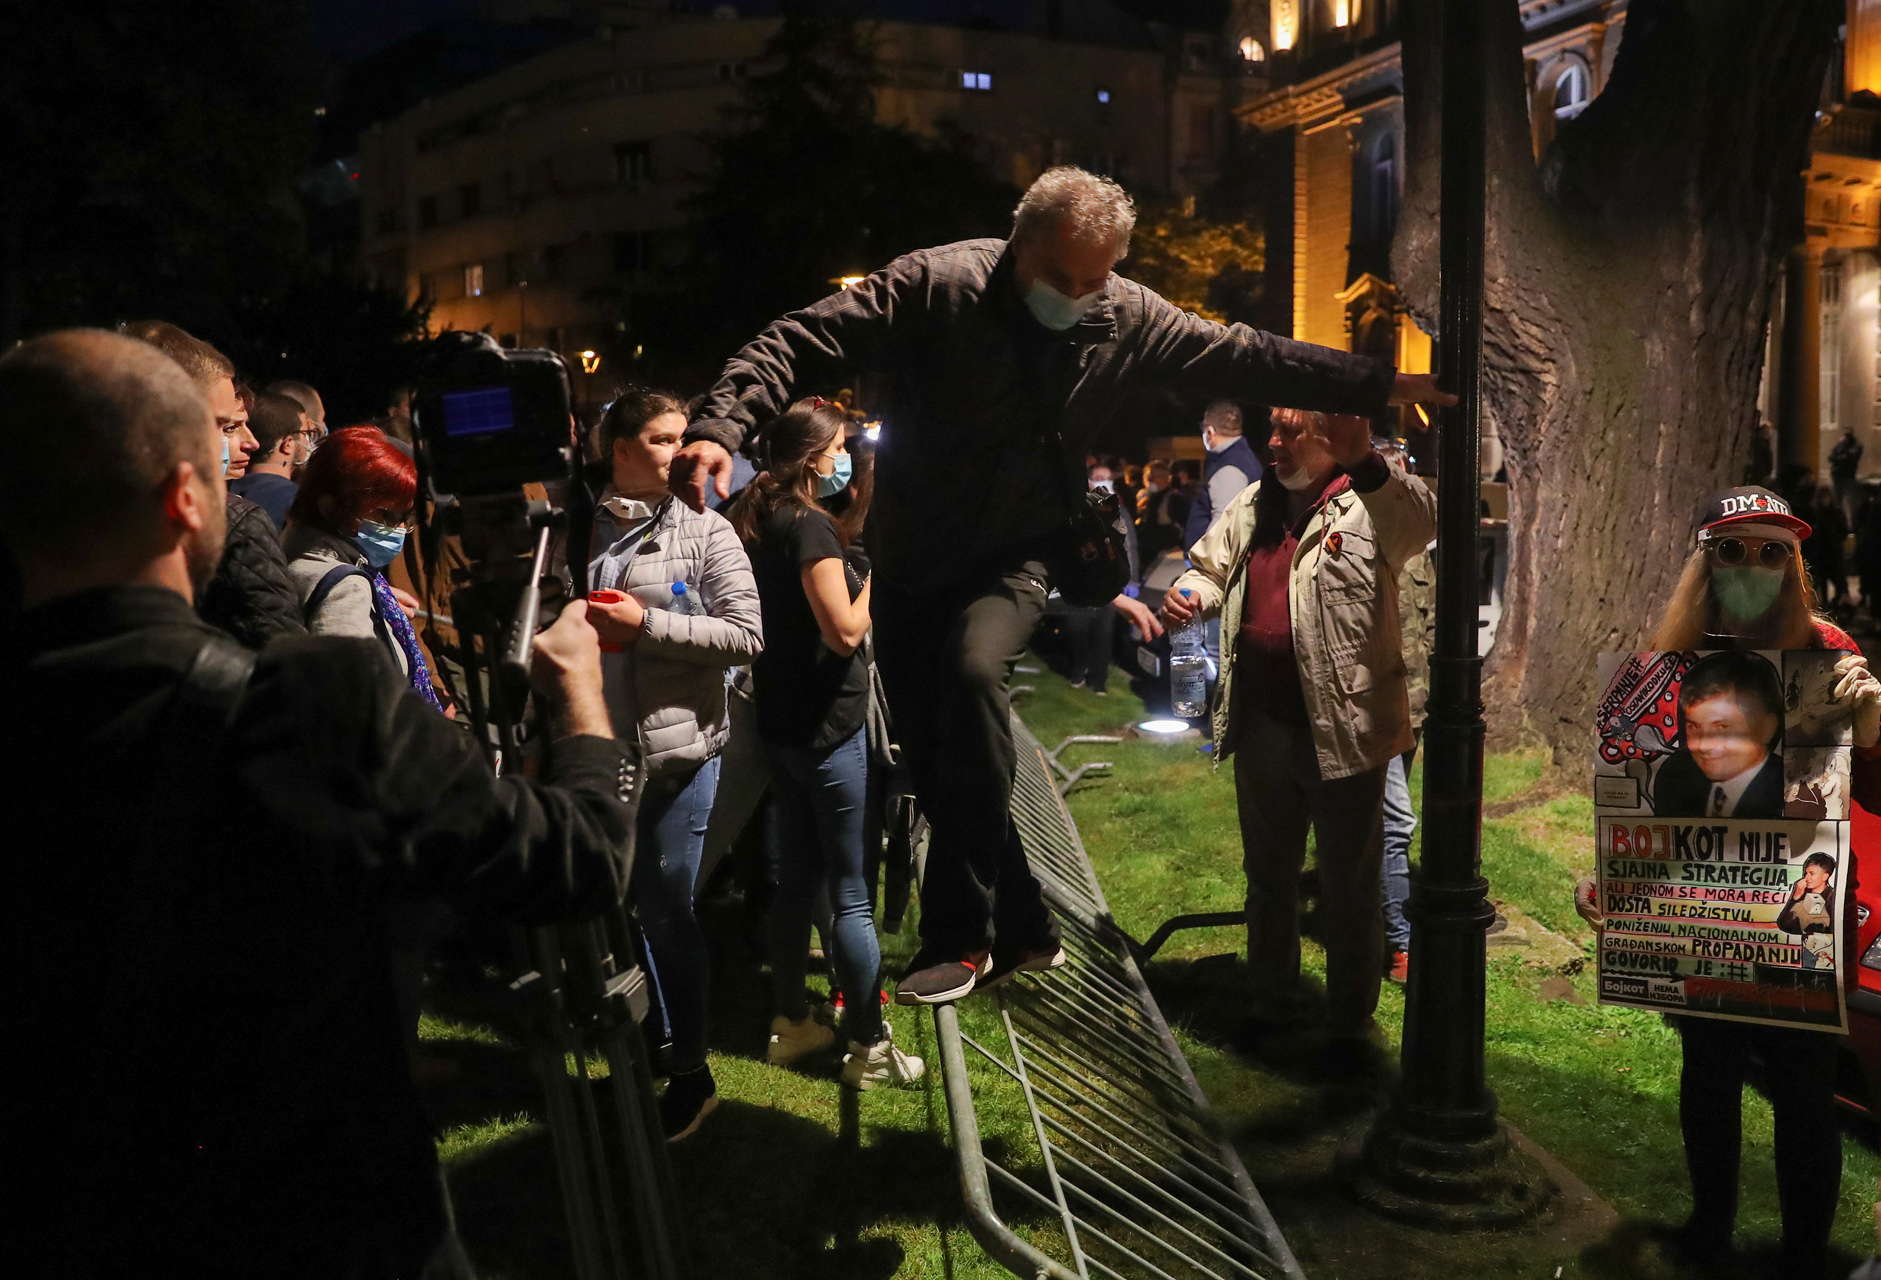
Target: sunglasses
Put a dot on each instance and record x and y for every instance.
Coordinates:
(1771, 553)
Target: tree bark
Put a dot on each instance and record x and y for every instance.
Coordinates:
(1627, 283)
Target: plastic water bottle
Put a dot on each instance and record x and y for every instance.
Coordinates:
(685, 601)
(1188, 670)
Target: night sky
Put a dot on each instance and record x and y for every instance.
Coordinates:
(348, 29)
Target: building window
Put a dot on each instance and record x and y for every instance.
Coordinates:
(1570, 92)
(1342, 13)
(978, 80)
(1285, 24)
(554, 260)
(1830, 345)
(633, 162)
(1384, 183)
(1251, 50)
(731, 70)
(427, 213)
(473, 280)
(470, 199)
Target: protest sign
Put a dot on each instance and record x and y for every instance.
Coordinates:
(1721, 795)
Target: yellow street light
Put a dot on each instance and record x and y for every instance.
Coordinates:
(590, 362)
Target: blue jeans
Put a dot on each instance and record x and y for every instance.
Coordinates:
(822, 798)
(1400, 822)
(674, 810)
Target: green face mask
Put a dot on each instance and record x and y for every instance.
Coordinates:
(1747, 590)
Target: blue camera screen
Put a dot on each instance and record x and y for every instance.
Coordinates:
(479, 412)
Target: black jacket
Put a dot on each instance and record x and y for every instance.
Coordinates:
(1682, 791)
(988, 415)
(208, 1073)
(251, 596)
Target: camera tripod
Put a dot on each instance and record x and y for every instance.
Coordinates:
(580, 991)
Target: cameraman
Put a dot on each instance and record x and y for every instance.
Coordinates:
(209, 1076)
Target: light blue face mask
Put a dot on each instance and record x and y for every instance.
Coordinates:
(1055, 311)
(225, 454)
(836, 481)
(379, 544)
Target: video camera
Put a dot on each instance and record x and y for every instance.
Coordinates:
(491, 421)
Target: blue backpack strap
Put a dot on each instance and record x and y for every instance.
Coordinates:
(324, 588)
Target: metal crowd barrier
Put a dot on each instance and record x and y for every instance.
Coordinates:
(1134, 1177)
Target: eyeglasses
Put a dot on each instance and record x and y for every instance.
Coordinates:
(1771, 553)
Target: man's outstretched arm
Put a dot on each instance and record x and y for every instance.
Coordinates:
(826, 338)
(1204, 358)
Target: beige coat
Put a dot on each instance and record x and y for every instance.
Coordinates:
(1344, 605)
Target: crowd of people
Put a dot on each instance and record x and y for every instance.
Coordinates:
(259, 809)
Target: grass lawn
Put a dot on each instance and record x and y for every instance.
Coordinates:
(789, 1178)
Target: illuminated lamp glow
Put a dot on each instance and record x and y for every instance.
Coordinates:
(1286, 24)
(1162, 726)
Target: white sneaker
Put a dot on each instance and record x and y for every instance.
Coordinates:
(792, 1040)
(867, 1065)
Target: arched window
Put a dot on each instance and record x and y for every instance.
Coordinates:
(1251, 50)
(1384, 184)
(1570, 91)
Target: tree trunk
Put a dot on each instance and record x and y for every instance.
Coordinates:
(1626, 286)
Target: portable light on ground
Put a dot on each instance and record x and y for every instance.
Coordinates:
(1162, 728)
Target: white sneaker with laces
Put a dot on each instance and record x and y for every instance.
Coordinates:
(792, 1040)
(867, 1065)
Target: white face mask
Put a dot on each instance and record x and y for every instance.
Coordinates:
(1055, 311)
(1297, 479)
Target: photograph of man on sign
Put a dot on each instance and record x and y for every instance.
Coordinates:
(1728, 764)
(1810, 912)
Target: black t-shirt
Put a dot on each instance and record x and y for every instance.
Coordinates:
(806, 695)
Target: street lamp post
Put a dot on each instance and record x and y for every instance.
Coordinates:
(1437, 1154)
(590, 365)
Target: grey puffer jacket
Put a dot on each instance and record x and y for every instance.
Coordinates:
(668, 687)
(349, 609)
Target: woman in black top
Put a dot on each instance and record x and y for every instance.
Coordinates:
(812, 694)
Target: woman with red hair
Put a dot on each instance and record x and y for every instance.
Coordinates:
(346, 525)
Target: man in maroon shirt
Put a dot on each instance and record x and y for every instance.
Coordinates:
(1312, 703)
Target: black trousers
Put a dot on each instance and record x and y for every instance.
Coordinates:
(1799, 1067)
(1091, 633)
(946, 662)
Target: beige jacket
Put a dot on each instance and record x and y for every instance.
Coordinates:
(1344, 607)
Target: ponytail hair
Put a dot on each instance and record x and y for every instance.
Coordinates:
(786, 451)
